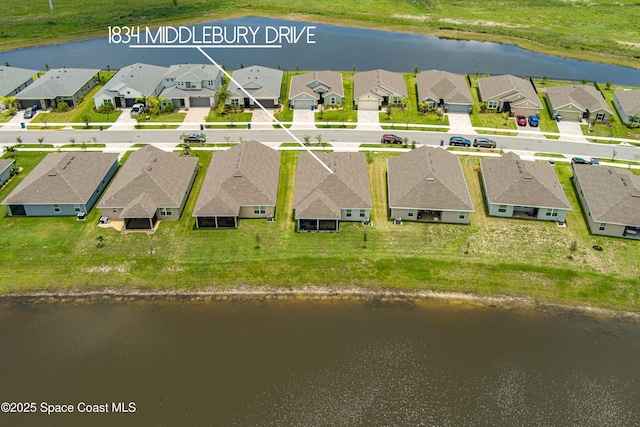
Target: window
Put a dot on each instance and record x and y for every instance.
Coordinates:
(188, 85)
(492, 105)
(362, 213)
(551, 212)
(259, 210)
(332, 100)
(56, 208)
(410, 212)
(115, 209)
(165, 211)
(502, 208)
(235, 101)
(602, 226)
(76, 208)
(462, 215)
(107, 102)
(348, 213)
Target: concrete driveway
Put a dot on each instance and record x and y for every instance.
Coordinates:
(125, 121)
(571, 131)
(460, 123)
(368, 120)
(194, 118)
(303, 119)
(261, 120)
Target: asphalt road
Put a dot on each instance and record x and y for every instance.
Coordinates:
(336, 137)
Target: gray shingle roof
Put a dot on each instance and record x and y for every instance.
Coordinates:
(320, 194)
(193, 72)
(584, 97)
(511, 181)
(150, 179)
(508, 87)
(382, 80)
(436, 85)
(12, 78)
(331, 81)
(64, 178)
(143, 78)
(629, 101)
(260, 82)
(612, 194)
(244, 175)
(58, 82)
(428, 178)
(5, 163)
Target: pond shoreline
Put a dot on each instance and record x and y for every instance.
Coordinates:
(381, 297)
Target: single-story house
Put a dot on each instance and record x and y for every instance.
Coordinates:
(241, 182)
(373, 90)
(610, 198)
(13, 80)
(57, 85)
(577, 102)
(627, 102)
(192, 85)
(130, 83)
(62, 184)
(6, 169)
(444, 90)
(427, 184)
(509, 93)
(261, 82)
(523, 189)
(151, 185)
(317, 88)
(323, 198)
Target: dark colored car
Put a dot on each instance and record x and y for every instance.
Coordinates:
(194, 137)
(533, 121)
(29, 113)
(484, 142)
(389, 138)
(458, 140)
(594, 161)
(579, 161)
(521, 120)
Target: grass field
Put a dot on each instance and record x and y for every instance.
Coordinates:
(491, 256)
(600, 30)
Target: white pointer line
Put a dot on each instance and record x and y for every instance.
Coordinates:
(226, 46)
(227, 75)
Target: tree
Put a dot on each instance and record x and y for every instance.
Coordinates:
(221, 96)
(86, 119)
(19, 140)
(10, 150)
(614, 153)
(40, 140)
(186, 148)
(72, 141)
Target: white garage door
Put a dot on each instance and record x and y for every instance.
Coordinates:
(303, 104)
(368, 105)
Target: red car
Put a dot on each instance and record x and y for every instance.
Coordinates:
(521, 120)
(389, 138)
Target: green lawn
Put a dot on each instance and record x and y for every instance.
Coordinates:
(347, 113)
(491, 256)
(488, 120)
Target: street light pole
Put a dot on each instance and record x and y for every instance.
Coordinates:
(51, 5)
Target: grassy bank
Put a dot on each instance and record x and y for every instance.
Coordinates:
(597, 30)
(492, 256)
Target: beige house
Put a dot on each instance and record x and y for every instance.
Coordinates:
(610, 198)
(627, 102)
(509, 94)
(444, 90)
(517, 188)
(577, 102)
(242, 182)
(322, 199)
(317, 88)
(152, 185)
(373, 90)
(427, 185)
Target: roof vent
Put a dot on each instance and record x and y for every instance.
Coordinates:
(635, 195)
(430, 178)
(51, 174)
(528, 177)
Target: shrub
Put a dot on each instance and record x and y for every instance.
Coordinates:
(62, 107)
(105, 109)
(168, 109)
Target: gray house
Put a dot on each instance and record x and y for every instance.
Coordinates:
(627, 102)
(192, 85)
(509, 93)
(242, 182)
(62, 184)
(57, 85)
(13, 80)
(610, 198)
(444, 90)
(322, 199)
(373, 90)
(427, 185)
(130, 83)
(523, 189)
(152, 185)
(261, 82)
(577, 102)
(316, 88)
(6, 169)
